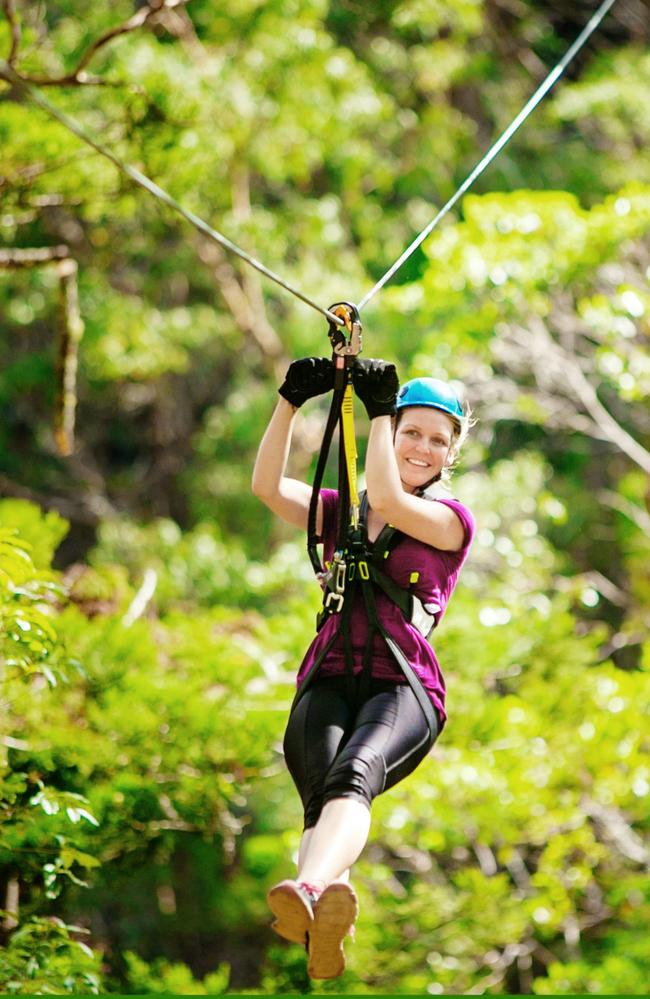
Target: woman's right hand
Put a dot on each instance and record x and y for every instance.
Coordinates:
(306, 378)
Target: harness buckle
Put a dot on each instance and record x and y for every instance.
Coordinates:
(364, 571)
(331, 599)
(339, 577)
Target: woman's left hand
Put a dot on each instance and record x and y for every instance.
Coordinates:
(376, 383)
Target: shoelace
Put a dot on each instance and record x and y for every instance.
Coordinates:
(312, 891)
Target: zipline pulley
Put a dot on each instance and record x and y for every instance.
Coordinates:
(341, 346)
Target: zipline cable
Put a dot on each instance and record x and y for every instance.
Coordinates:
(496, 148)
(139, 178)
(9, 74)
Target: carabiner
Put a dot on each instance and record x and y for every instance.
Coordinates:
(334, 599)
(350, 316)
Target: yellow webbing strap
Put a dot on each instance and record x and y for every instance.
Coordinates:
(350, 445)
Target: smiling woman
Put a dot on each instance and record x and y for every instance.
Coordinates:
(422, 442)
(370, 700)
(404, 459)
(435, 402)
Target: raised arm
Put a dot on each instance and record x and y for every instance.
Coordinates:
(286, 497)
(433, 523)
(389, 494)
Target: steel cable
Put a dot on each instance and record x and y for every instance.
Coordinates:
(496, 148)
(9, 74)
(158, 192)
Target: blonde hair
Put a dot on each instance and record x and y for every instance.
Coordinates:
(462, 428)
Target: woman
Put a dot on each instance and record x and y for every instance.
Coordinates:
(359, 725)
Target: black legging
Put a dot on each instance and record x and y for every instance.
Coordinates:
(353, 744)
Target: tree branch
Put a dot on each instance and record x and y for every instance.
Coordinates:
(138, 20)
(71, 329)
(12, 898)
(78, 75)
(486, 859)
(613, 430)
(76, 511)
(617, 831)
(16, 259)
(32, 171)
(139, 604)
(14, 29)
(552, 365)
(179, 24)
(251, 282)
(505, 960)
(241, 308)
(243, 297)
(633, 512)
(609, 590)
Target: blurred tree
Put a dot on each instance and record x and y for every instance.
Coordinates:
(321, 136)
(41, 954)
(410, 96)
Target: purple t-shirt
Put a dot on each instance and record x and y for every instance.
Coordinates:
(438, 572)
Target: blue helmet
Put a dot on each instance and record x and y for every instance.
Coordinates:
(430, 392)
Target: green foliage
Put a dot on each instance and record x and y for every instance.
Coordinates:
(165, 978)
(41, 955)
(144, 689)
(44, 958)
(28, 591)
(152, 731)
(201, 567)
(43, 532)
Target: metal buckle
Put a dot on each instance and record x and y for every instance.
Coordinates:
(364, 572)
(339, 576)
(332, 598)
(334, 580)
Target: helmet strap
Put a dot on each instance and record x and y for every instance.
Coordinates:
(436, 478)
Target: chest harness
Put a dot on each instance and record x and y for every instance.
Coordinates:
(357, 567)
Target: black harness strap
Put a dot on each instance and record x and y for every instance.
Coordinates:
(332, 420)
(363, 571)
(413, 679)
(343, 357)
(355, 562)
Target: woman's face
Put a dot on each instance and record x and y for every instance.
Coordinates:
(422, 442)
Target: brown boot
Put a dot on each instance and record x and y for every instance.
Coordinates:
(292, 905)
(334, 916)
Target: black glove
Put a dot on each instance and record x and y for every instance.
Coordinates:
(306, 378)
(376, 383)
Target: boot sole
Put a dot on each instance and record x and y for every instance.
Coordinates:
(334, 916)
(293, 917)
